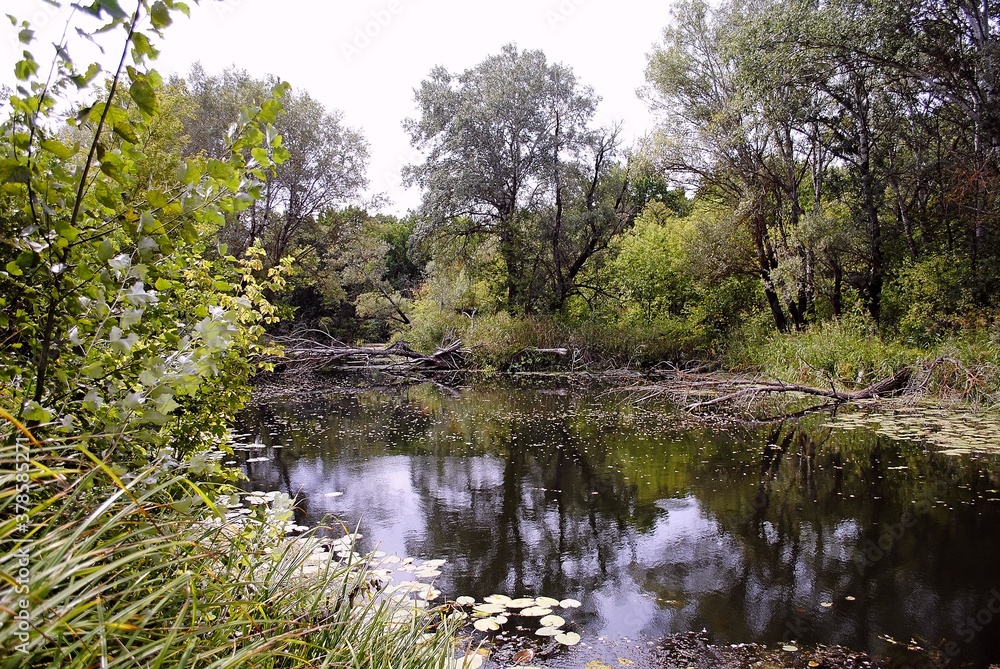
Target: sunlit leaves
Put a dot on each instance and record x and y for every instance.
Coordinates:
(142, 92)
(117, 319)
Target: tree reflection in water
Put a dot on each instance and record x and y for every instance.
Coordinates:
(656, 527)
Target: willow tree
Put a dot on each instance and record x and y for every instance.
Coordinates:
(510, 156)
(326, 166)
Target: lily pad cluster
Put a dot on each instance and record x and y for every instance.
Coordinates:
(955, 431)
(496, 611)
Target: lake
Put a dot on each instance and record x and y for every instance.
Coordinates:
(797, 532)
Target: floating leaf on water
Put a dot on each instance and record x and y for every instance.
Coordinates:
(552, 621)
(523, 656)
(568, 639)
(520, 603)
(465, 600)
(535, 611)
(472, 661)
(433, 564)
(497, 599)
(569, 604)
(826, 605)
(486, 624)
(489, 609)
(548, 631)
(849, 598)
(546, 601)
(790, 649)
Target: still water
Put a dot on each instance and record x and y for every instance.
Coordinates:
(797, 531)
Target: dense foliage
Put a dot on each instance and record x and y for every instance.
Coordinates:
(129, 338)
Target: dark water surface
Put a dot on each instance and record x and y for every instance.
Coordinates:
(656, 526)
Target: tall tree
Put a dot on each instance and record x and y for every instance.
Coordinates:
(510, 157)
(326, 166)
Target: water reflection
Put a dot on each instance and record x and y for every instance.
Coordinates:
(656, 527)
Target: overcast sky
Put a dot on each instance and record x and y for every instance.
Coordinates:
(365, 57)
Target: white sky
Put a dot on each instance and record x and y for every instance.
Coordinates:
(322, 46)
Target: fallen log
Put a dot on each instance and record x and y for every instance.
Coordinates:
(317, 351)
(886, 386)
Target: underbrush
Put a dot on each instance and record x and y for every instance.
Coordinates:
(963, 367)
(509, 344)
(851, 354)
(102, 567)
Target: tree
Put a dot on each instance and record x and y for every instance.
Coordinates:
(325, 168)
(114, 320)
(510, 157)
(717, 136)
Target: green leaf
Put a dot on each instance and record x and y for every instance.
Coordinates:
(24, 69)
(220, 170)
(94, 370)
(12, 171)
(82, 80)
(13, 269)
(144, 95)
(160, 15)
(112, 7)
(142, 47)
(58, 149)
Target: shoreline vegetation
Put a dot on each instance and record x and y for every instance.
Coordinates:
(153, 231)
(837, 363)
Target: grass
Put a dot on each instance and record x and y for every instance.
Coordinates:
(507, 344)
(142, 569)
(963, 367)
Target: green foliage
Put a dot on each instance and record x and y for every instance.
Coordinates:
(117, 318)
(154, 570)
(930, 298)
(648, 268)
(848, 353)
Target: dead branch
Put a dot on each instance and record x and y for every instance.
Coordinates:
(886, 386)
(314, 350)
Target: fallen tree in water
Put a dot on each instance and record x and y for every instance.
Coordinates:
(697, 390)
(752, 388)
(317, 351)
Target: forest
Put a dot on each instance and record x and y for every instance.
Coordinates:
(816, 169)
(817, 204)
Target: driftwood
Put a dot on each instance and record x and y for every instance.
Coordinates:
(694, 391)
(886, 386)
(315, 350)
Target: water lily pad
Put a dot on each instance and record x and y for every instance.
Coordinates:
(486, 624)
(552, 621)
(465, 600)
(568, 639)
(569, 604)
(497, 599)
(535, 611)
(520, 603)
(790, 649)
(489, 609)
(472, 661)
(548, 631)
(546, 601)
